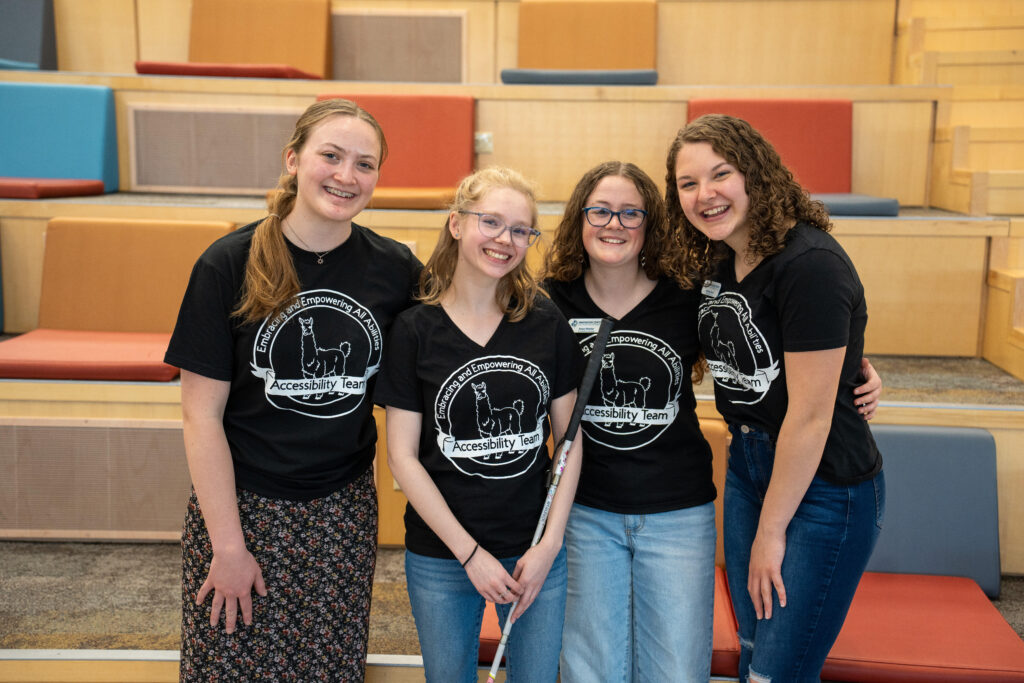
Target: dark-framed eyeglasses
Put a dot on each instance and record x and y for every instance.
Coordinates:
(491, 227)
(600, 216)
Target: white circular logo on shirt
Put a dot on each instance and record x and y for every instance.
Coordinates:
(489, 416)
(738, 356)
(630, 408)
(317, 355)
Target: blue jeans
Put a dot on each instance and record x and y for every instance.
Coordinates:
(449, 611)
(828, 544)
(641, 596)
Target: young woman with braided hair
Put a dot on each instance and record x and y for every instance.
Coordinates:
(279, 338)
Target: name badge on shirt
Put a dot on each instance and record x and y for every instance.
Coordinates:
(711, 288)
(585, 325)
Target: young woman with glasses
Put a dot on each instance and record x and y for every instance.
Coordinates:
(476, 378)
(641, 535)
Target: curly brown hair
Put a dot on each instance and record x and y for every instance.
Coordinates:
(777, 200)
(517, 288)
(567, 259)
(270, 278)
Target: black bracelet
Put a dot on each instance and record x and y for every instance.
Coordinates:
(470, 556)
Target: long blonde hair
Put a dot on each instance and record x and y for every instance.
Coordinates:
(270, 278)
(517, 288)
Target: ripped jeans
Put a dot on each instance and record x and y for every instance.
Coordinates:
(828, 544)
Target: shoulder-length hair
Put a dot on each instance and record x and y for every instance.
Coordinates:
(776, 199)
(270, 278)
(567, 259)
(518, 287)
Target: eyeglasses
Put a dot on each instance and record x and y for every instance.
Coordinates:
(599, 216)
(491, 227)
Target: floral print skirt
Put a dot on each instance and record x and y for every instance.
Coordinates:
(317, 558)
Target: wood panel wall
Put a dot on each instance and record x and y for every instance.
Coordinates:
(739, 42)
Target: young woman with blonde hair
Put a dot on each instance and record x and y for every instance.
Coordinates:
(475, 380)
(279, 338)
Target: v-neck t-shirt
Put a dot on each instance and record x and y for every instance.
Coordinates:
(485, 417)
(807, 297)
(643, 451)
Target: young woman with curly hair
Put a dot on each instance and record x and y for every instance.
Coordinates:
(642, 529)
(781, 322)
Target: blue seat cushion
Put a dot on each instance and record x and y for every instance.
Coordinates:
(58, 131)
(941, 515)
(579, 76)
(846, 204)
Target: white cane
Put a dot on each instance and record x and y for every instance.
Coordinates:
(589, 376)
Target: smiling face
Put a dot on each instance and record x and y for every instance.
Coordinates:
(614, 245)
(336, 170)
(713, 195)
(492, 257)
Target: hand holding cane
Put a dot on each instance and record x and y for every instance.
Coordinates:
(589, 376)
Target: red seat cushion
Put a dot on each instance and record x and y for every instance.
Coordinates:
(813, 137)
(40, 188)
(907, 627)
(223, 70)
(725, 647)
(86, 355)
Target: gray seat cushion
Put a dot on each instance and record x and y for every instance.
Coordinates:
(579, 76)
(941, 513)
(846, 204)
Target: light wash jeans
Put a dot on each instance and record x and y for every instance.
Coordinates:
(640, 604)
(449, 611)
(828, 544)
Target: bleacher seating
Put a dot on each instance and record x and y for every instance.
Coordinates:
(566, 43)
(254, 38)
(926, 618)
(110, 296)
(57, 140)
(814, 139)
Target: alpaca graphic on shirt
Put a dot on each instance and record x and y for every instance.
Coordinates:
(492, 421)
(619, 392)
(723, 349)
(318, 362)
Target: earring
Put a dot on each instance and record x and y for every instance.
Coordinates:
(643, 259)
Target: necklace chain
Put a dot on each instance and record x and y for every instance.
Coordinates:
(319, 255)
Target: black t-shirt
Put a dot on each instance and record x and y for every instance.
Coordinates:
(485, 418)
(299, 418)
(805, 298)
(643, 450)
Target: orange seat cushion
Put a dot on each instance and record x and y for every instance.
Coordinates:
(570, 34)
(292, 32)
(40, 188)
(490, 635)
(119, 274)
(84, 355)
(813, 137)
(725, 646)
(223, 70)
(903, 628)
(430, 138)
